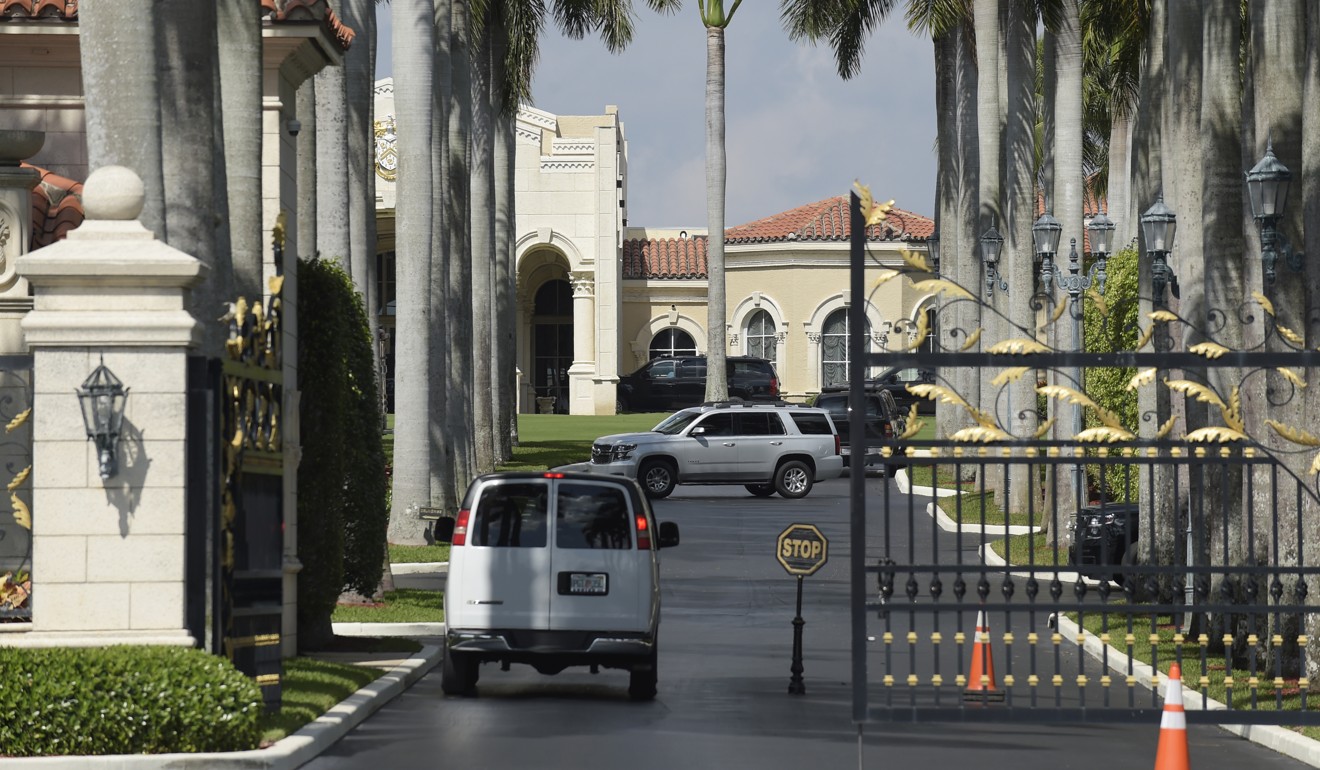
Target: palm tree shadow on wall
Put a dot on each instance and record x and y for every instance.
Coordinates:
(124, 489)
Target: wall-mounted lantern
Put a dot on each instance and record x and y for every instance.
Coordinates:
(1159, 224)
(991, 243)
(1267, 188)
(102, 398)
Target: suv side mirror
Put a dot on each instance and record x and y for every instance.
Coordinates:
(698, 431)
(668, 534)
(444, 529)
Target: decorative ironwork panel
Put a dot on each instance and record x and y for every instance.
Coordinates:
(251, 491)
(1078, 549)
(16, 578)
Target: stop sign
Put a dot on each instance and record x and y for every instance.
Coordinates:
(802, 549)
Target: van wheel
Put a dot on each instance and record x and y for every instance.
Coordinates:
(657, 477)
(760, 490)
(458, 674)
(793, 479)
(642, 679)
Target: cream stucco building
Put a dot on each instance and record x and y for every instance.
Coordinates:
(597, 296)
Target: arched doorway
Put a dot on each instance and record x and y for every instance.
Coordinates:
(552, 342)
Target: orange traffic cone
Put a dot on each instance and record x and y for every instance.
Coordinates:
(981, 680)
(1172, 753)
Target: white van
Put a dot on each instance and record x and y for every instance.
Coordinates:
(553, 570)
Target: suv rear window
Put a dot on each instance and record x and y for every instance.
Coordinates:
(510, 515)
(592, 516)
(813, 424)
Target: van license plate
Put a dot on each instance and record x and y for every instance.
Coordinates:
(589, 583)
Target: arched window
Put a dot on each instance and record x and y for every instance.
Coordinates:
(672, 342)
(834, 362)
(760, 335)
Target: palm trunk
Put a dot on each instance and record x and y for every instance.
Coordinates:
(459, 418)
(717, 384)
(503, 319)
(443, 477)
(413, 49)
(483, 251)
(1019, 210)
(989, 125)
(240, 89)
(1310, 189)
(333, 210)
(359, 82)
(187, 46)
(307, 193)
(118, 57)
(966, 266)
(1120, 180)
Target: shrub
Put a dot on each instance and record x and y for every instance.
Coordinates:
(1115, 331)
(124, 700)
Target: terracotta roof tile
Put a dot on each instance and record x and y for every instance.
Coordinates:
(56, 207)
(276, 10)
(827, 220)
(665, 258)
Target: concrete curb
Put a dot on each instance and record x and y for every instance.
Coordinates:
(907, 488)
(389, 629)
(1280, 739)
(291, 752)
(420, 568)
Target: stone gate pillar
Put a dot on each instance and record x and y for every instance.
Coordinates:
(16, 183)
(108, 555)
(580, 373)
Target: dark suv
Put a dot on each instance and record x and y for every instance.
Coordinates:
(1104, 535)
(884, 422)
(896, 381)
(666, 384)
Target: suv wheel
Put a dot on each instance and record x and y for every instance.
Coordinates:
(458, 674)
(643, 678)
(793, 479)
(657, 477)
(761, 490)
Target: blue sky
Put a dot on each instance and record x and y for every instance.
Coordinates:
(796, 133)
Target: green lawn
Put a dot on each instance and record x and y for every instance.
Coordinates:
(418, 554)
(402, 605)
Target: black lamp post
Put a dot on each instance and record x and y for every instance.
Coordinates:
(1045, 237)
(1158, 225)
(1267, 187)
(101, 397)
(991, 243)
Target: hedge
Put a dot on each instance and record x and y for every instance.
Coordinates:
(124, 700)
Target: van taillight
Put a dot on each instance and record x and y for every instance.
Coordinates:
(774, 387)
(889, 430)
(838, 445)
(643, 533)
(460, 528)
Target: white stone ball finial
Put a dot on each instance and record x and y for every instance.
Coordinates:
(113, 192)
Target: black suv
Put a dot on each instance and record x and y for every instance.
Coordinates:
(667, 384)
(1104, 535)
(884, 422)
(896, 381)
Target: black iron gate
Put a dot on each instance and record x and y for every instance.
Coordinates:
(235, 482)
(1027, 594)
(16, 578)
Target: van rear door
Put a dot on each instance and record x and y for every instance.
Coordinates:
(600, 579)
(500, 577)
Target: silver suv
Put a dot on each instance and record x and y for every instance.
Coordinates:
(768, 448)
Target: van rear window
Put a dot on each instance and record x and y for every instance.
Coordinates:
(592, 516)
(511, 515)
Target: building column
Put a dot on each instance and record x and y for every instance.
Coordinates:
(581, 398)
(108, 560)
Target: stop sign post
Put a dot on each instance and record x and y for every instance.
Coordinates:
(802, 550)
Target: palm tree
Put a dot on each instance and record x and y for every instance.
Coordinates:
(716, 21)
(332, 160)
(457, 216)
(118, 54)
(190, 149)
(240, 93)
(483, 242)
(306, 111)
(413, 447)
(359, 86)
